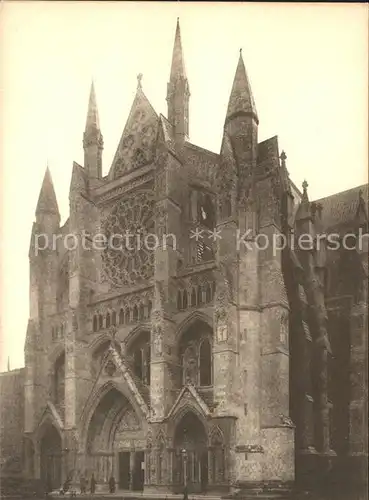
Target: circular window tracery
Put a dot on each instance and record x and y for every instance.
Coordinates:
(127, 259)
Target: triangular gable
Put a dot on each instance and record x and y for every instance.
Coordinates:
(137, 144)
(50, 414)
(114, 359)
(189, 397)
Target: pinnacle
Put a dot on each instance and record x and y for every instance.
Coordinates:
(178, 67)
(92, 121)
(47, 199)
(241, 99)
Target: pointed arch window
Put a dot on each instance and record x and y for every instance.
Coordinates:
(121, 317)
(127, 316)
(199, 295)
(107, 320)
(101, 321)
(135, 313)
(193, 297)
(205, 362)
(94, 323)
(114, 318)
(207, 212)
(179, 300)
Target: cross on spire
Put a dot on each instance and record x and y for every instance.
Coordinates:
(139, 80)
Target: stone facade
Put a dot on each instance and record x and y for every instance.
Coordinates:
(168, 360)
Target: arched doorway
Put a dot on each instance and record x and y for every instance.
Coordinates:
(51, 458)
(114, 442)
(191, 453)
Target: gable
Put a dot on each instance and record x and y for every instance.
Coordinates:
(137, 144)
(189, 398)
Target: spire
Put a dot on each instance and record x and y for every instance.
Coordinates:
(47, 200)
(241, 99)
(178, 92)
(92, 121)
(178, 67)
(93, 142)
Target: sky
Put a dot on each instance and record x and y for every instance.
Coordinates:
(307, 63)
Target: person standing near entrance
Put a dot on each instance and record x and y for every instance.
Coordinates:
(112, 484)
(82, 484)
(92, 484)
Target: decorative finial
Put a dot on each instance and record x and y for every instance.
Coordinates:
(305, 185)
(8, 363)
(139, 80)
(241, 51)
(360, 193)
(283, 158)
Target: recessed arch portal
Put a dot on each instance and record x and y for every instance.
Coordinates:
(113, 424)
(51, 457)
(191, 452)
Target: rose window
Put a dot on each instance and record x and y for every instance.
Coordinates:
(127, 258)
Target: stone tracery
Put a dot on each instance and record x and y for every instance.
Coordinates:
(126, 259)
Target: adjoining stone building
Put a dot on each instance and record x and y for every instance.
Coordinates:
(208, 361)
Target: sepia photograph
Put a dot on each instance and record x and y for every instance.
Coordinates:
(184, 250)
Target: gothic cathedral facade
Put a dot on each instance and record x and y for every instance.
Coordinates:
(178, 359)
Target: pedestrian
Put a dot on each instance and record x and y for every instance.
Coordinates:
(82, 484)
(112, 484)
(92, 484)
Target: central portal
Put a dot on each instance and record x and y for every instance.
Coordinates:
(191, 454)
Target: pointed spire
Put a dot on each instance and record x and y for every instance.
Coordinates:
(178, 69)
(178, 92)
(47, 199)
(92, 121)
(241, 99)
(93, 142)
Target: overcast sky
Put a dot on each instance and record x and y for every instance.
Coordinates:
(307, 65)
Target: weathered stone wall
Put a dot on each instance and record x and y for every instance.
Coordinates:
(11, 420)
